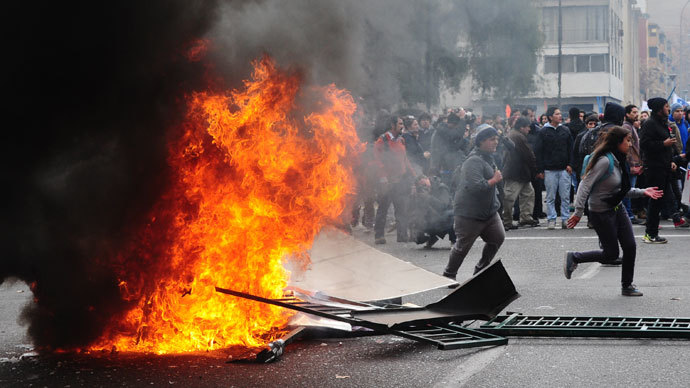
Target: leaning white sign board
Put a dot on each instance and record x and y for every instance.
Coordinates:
(344, 267)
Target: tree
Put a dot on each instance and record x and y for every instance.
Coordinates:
(496, 42)
(503, 42)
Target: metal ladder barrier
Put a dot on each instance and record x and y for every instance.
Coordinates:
(516, 324)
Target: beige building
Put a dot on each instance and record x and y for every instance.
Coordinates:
(657, 74)
(600, 57)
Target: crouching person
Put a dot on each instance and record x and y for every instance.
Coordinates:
(431, 211)
(476, 204)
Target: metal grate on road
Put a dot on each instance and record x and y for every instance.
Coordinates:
(567, 326)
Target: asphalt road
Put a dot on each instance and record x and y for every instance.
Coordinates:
(533, 257)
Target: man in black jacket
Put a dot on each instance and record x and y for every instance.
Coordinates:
(553, 151)
(519, 170)
(576, 125)
(656, 146)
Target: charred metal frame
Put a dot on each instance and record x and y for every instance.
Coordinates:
(444, 336)
(480, 298)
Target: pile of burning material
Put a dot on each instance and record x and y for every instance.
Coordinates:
(481, 297)
(258, 172)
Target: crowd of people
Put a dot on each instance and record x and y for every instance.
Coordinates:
(467, 177)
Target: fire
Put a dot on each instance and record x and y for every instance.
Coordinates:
(255, 179)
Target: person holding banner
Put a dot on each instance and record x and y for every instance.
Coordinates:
(604, 185)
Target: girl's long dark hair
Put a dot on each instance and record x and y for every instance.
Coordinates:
(608, 142)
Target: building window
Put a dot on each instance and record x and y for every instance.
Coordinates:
(550, 65)
(653, 52)
(598, 63)
(577, 63)
(652, 31)
(582, 62)
(568, 63)
(580, 24)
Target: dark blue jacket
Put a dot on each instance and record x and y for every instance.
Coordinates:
(553, 148)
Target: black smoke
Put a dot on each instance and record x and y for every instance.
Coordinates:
(91, 91)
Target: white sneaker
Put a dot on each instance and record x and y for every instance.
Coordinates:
(551, 224)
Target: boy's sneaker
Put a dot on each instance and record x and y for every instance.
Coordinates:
(631, 290)
(564, 224)
(551, 224)
(569, 265)
(380, 241)
(654, 240)
(682, 223)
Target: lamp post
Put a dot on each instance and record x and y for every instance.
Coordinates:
(683, 74)
(560, 49)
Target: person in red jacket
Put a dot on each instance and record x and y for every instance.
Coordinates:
(396, 177)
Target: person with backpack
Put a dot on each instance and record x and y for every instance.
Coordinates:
(613, 115)
(604, 185)
(591, 122)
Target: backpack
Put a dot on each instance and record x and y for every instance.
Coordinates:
(608, 173)
(589, 139)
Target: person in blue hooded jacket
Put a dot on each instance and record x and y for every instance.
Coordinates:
(677, 116)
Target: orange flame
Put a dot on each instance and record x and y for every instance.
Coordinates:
(255, 180)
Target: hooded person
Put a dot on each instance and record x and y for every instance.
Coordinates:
(476, 204)
(576, 126)
(614, 114)
(677, 116)
(656, 147)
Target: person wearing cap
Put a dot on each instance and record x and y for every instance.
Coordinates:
(553, 151)
(476, 203)
(656, 146)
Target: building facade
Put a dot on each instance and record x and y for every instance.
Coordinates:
(600, 58)
(659, 72)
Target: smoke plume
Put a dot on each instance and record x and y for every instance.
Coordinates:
(94, 90)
